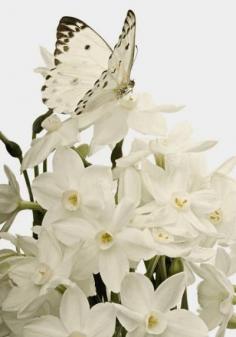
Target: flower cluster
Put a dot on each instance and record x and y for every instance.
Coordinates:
(115, 247)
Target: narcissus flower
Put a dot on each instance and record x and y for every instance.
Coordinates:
(145, 312)
(58, 133)
(34, 276)
(9, 199)
(76, 319)
(177, 206)
(109, 244)
(72, 188)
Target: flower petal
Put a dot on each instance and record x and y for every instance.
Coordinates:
(101, 320)
(170, 292)
(74, 309)
(182, 323)
(137, 293)
(48, 326)
(113, 266)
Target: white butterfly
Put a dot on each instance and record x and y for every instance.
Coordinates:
(87, 72)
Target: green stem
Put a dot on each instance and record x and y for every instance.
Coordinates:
(45, 165)
(115, 298)
(33, 206)
(152, 266)
(162, 268)
(27, 181)
(184, 302)
(36, 168)
(234, 300)
(232, 322)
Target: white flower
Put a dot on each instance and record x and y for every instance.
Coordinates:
(179, 140)
(9, 199)
(73, 189)
(112, 122)
(176, 206)
(145, 312)
(109, 244)
(215, 296)
(59, 133)
(224, 217)
(48, 59)
(76, 319)
(36, 275)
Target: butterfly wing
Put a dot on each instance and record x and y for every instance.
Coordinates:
(115, 82)
(80, 56)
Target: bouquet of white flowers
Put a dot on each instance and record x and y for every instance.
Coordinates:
(114, 248)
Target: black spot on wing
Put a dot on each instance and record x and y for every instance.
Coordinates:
(105, 84)
(87, 47)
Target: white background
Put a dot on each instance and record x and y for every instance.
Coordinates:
(186, 55)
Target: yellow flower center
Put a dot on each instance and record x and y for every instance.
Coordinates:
(216, 217)
(156, 323)
(42, 274)
(181, 201)
(152, 321)
(71, 200)
(161, 235)
(105, 240)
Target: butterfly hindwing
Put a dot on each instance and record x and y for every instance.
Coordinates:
(80, 56)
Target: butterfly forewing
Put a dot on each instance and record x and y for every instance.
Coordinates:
(115, 82)
(122, 58)
(80, 57)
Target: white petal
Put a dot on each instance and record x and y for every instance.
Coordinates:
(48, 326)
(170, 292)
(227, 166)
(203, 146)
(149, 122)
(72, 230)
(110, 129)
(49, 250)
(40, 149)
(180, 134)
(204, 201)
(122, 215)
(46, 190)
(12, 180)
(74, 309)
(113, 266)
(137, 293)
(139, 332)
(182, 323)
(47, 57)
(129, 319)
(68, 165)
(101, 320)
(68, 132)
(130, 185)
(137, 244)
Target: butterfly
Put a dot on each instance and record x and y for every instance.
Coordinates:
(87, 72)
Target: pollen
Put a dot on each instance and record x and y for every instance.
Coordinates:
(181, 201)
(162, 235)
(105, 240)
(152, 321)
(71, 200)
(42, 274)
(216, 217)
